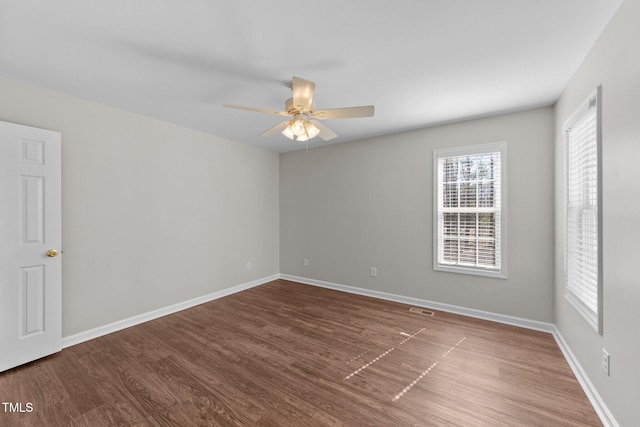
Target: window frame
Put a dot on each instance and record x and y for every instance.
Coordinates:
(499, 147)
(594, 319)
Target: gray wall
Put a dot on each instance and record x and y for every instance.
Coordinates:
(153, 214)
(614, 63)
(348, 207)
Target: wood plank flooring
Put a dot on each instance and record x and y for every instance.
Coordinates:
(287, 354)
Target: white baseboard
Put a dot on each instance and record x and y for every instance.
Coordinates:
(587, 386)
(145, 317)
(596, 401)
(500, 318)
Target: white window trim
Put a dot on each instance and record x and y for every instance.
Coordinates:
(471, 150)
(593, 319)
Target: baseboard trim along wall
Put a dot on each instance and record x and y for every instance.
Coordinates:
(587, 386)
(145, 317)
(479, 314)
(596, 401)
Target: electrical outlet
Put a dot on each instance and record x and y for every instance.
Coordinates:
(374, 271)
(249, 265)
(306, 262)
(606, 362)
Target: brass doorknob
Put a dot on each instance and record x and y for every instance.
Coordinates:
(52, 253)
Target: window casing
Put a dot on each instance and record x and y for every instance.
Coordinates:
(470, 210)
(583, 207)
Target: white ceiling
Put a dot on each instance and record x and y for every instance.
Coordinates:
(420, 62)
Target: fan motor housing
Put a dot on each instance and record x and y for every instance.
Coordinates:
(292, 110)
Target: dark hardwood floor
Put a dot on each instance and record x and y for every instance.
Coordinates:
(286, 354)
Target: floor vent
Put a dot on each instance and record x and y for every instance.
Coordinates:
(421, 311)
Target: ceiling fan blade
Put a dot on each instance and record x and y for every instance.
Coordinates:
(259, 110)
(277, 128)
(344, 113)
(325, 133)
(302, 93)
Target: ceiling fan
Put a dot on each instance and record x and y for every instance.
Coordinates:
(304, 123)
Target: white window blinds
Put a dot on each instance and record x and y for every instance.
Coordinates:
(469, 210)
(582, 214)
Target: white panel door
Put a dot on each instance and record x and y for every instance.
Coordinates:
(30, 239)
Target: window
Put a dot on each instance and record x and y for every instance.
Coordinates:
(469, 210)
(583, 257)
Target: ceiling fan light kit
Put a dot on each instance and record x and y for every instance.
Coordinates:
(300, 129)
(304, 124)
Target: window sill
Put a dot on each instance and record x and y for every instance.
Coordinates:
(501, 274)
